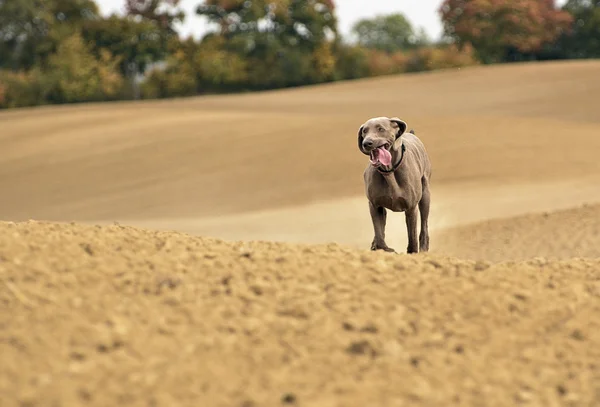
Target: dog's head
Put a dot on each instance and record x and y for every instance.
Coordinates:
(376, 138)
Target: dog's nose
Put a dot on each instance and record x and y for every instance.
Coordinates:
(367, 144)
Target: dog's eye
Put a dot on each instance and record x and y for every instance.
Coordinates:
(380, 129)
(365, 131)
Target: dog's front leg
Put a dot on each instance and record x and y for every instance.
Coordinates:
(378, 216)
(411, 227)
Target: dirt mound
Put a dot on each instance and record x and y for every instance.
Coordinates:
(121, 316)
(557, 235)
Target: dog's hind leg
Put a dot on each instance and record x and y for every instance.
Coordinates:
(424, 204)
(378, 216)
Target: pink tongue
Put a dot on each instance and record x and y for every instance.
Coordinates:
(384, 156)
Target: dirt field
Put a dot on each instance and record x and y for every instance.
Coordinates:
(505, 311)
(112, 316)
(560, 235)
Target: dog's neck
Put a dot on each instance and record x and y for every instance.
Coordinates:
(389, 174)
(398, 151)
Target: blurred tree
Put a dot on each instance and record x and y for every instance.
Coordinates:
(177, 78)
(284, 42)
(389, 33)
(136, 43)
(77, 76)
(440, 57)
(305, 23)
(18, 89)
(323, 63)
(164, 12)
(30, 30)
(294, 22)
(584, 39)
(352, 62)
(234, 16)
(161, 14)
(494, 26)
(217, 67)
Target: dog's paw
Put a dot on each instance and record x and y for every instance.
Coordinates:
(384, 248)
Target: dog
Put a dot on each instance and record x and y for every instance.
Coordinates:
(397, 178)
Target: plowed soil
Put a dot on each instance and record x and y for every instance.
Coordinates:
(113, 316)
(563, 235)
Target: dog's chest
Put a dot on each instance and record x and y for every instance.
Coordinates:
(383, 195)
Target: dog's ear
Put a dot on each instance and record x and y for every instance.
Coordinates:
(401, 126)
(360, 140)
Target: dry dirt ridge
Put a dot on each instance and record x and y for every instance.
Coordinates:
(555, 235)
(119, 316)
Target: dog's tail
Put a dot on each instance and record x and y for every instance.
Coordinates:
(412, 131)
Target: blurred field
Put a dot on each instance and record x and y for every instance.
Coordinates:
(564, 234)
(230, 154)
(115, 315)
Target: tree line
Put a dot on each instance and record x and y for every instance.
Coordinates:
(65, 51)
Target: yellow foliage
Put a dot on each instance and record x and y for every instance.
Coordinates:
(111, 81)
(220, 67)
(324, 62)
(18, 89)
(382, 63)
(79, 76)
(423, 59)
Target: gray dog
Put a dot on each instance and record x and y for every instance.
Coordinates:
(396, 179)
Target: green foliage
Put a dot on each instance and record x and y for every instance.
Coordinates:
(176, 80)
(73, 75)
(21, 89)
(389, 33)
(155, 85)
(323, 62)
(178, 76)
(30, 30)
(77, 76)
(217, 67)
(352, 62)
(493, 26)
(136, 43)
(19, 33)
(307, 22)
(273, 43)
(584, 39)
(165, 13)
(303, 23)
